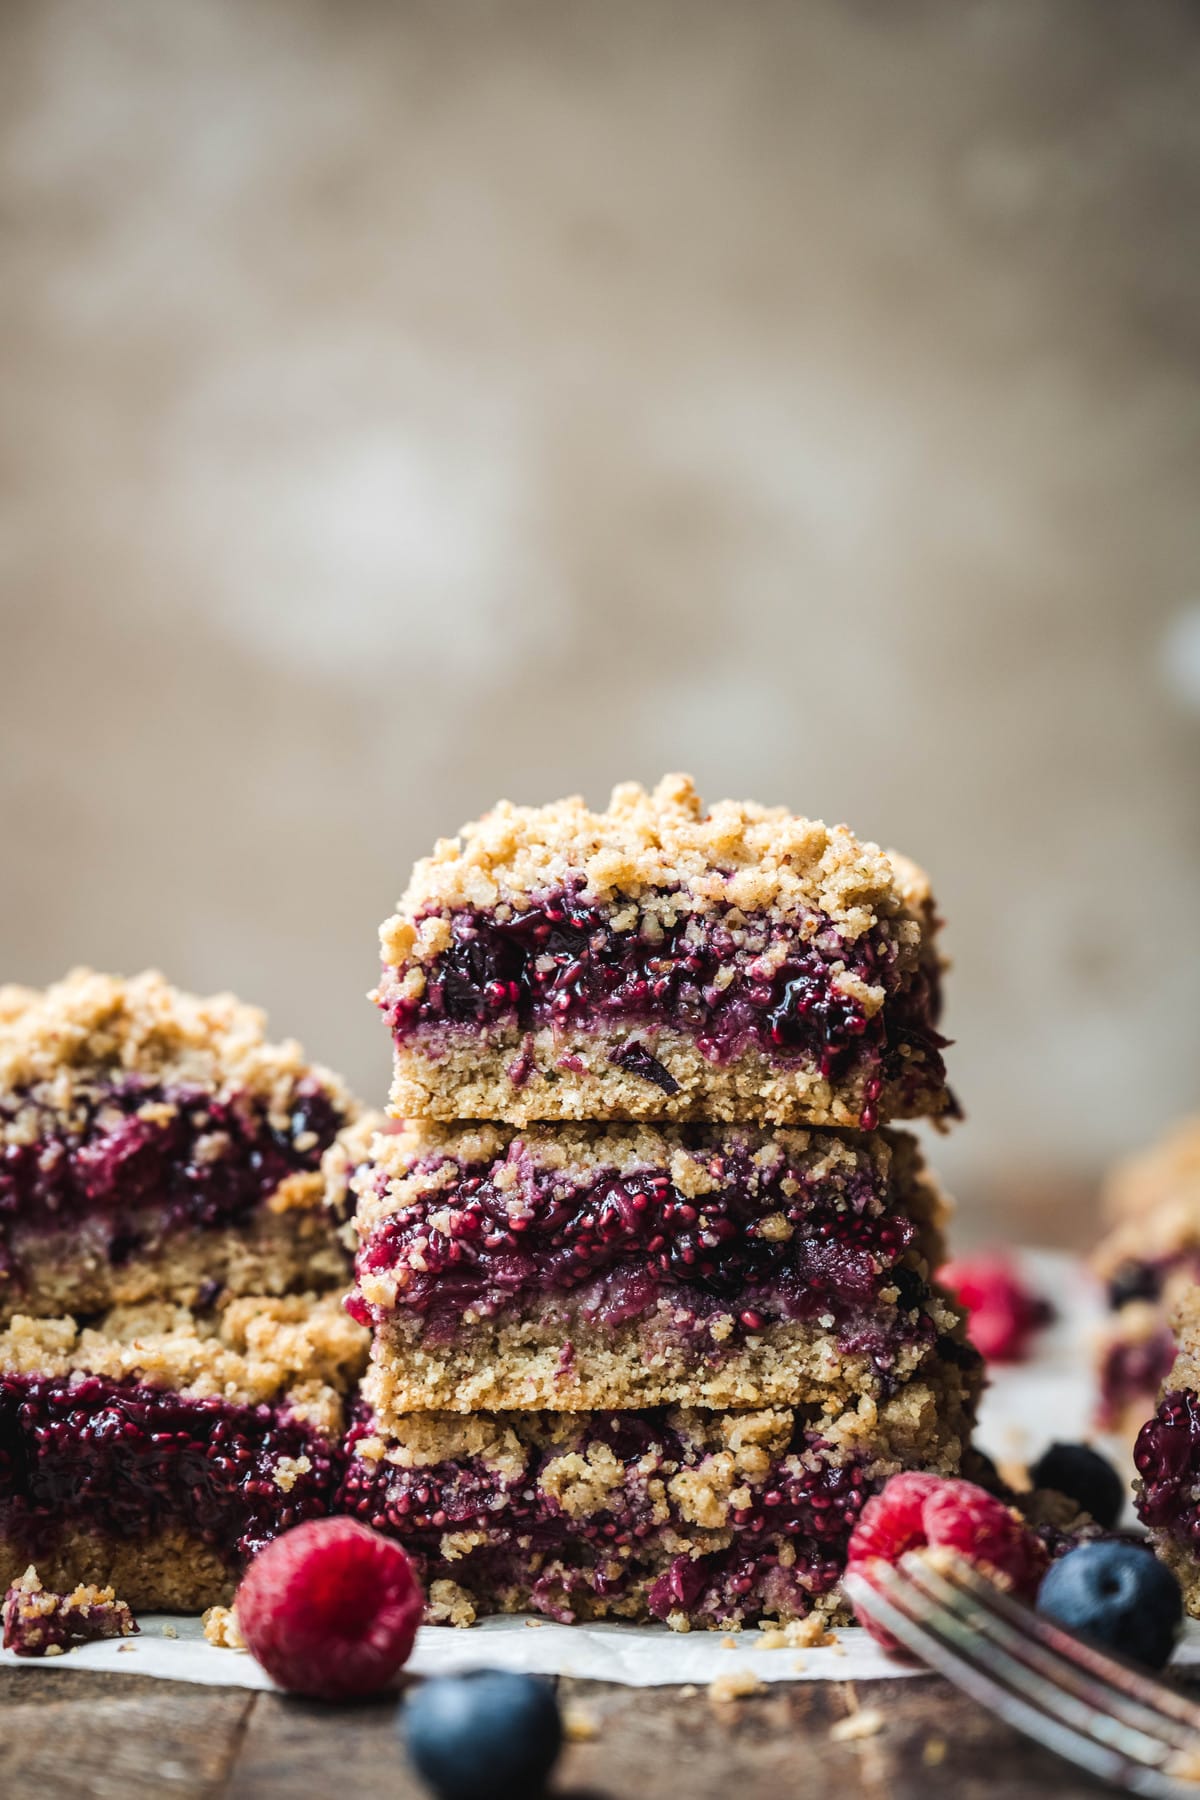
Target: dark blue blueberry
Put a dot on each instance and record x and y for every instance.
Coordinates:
(1120, 1596)
(487, 1735)
(1084, 1476)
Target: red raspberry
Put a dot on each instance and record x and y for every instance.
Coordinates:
(914, 1511)
(1002, 1314)
(330, 1609)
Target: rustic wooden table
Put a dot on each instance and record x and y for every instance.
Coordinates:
(82, 1736)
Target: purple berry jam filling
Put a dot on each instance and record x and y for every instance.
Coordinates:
(1132, 1373)
(128, 1461)
(204, 1162)
(561, 963)
(810, 1506)
(503, 1235)
(1167, 1457)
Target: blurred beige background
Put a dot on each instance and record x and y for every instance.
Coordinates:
(405, 404)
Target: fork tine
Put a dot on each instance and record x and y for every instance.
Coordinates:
(1096, 1679)
(986, 1674)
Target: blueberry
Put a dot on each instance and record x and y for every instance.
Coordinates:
(1084, 1476)
(1117, 1594)
(487, 1735)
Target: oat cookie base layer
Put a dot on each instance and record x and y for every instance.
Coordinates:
(530, 1364)
(72, 1272)
(172, 1572)
(457, 1072)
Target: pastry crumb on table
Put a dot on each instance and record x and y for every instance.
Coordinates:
(41, 1622)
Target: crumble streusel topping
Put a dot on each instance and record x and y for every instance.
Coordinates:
(661, 851)
(40, 1622)
(298, 1348)
(91, 1026)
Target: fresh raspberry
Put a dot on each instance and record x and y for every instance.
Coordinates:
(894, 1520)
(916, 1511)
(1002, 1314)
(330, 1609)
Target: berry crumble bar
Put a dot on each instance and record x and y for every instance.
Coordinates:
(40, 1623)
(158, 1448)
(700, 1518)
(1167, 1458)
(1147, 1263)
(661, 961)
(155, 1145)
(583, 1266)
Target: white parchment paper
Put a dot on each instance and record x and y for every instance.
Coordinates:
(1024, 1409)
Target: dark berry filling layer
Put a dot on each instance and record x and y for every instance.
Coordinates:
(562, 963)
(1167, 1457)
(198, 1160)
(128, 1461)
(809, 1502)
(1133, 1373)
(775, 1237)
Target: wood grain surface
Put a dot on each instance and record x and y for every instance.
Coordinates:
(84, 1736)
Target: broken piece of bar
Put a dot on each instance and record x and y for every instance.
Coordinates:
(158, 1448)
(583, 1266)
(38, 1622)
(700, 1518)
(662, 961)
(155, 1145)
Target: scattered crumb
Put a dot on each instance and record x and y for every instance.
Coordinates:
(729, 1643)
(535, 1624)
(221, 1628)
(798, 1634)
(734, 1686)
(579, 1727)
(836, 1646)
(123, 1648)
(688, 1691)
(862, 1724)
(169, 1631)
(54, 1650)
(799, 1662)
(934, 1752)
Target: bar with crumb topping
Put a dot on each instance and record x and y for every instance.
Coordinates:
(661, 960)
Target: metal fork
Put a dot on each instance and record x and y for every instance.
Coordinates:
(1100, 1713)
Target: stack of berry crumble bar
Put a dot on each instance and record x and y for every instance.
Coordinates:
(649, 1280)
(1148, 1263)
(174, 1354)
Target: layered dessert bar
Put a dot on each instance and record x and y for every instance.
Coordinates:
(592, 1266)
(152, 1145)
(661, 961)
(1167, 1458)
(157, 1449)
(696, 1517)
(1147, 1263)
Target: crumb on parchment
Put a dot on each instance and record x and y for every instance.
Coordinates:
(221, 1628)
(579, 1727)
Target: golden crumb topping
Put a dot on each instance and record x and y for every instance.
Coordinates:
(1167, 1174)
(653, 856)
(299, 1348)
(91, 1027)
